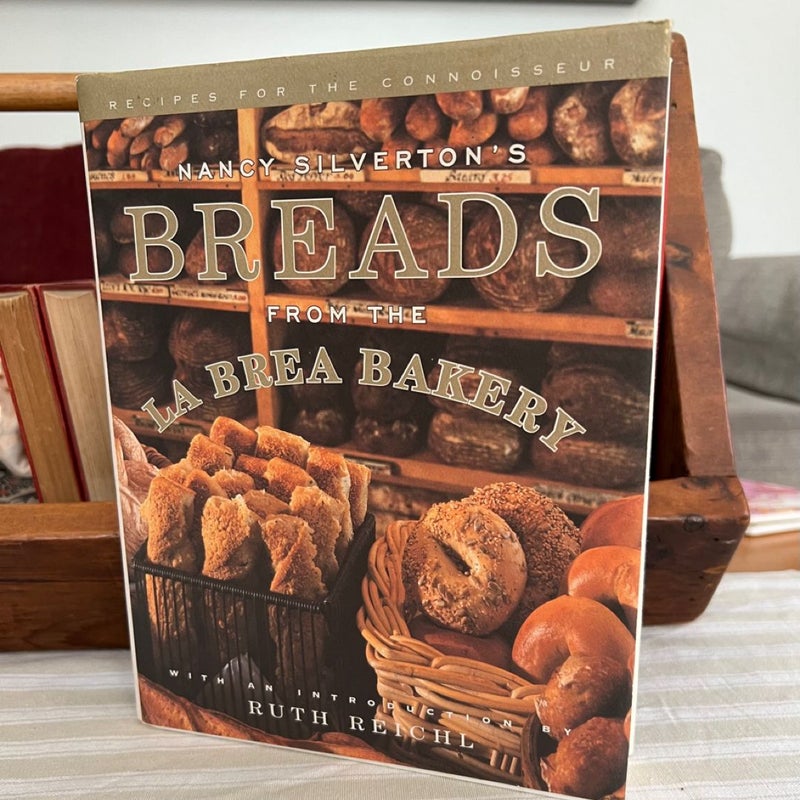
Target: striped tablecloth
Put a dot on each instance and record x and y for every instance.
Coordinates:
(719, 719)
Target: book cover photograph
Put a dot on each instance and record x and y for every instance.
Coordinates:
(379, 331)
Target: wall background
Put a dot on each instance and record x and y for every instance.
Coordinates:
(741, 53)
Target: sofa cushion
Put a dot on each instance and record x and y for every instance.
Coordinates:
(759, 314)
(766, 437)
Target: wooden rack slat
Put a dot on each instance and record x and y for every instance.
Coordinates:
(38, 91)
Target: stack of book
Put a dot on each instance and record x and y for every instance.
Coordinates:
(51, 348)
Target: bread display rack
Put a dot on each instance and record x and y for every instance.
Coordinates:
(697, 510)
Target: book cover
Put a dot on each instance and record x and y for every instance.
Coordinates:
(72, 325)
(379, 333)
(30, 379)
(774, 508)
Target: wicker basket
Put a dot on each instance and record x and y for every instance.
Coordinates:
(442, 712)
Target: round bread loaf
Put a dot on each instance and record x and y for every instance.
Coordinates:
(581, 688)
(427, 233)
(542, 152)
(466, 567)
(215, 144)
(121, 225)
(610, 575)
(591, 462)
(461, 105)
(623, 412)
(425, 120)
(580, 123)
(200, 337)
(132, 383)
(399, 437)
(226, 223)
(548, 537)
(638, 119)
(623, 292)
(569, 626)
(133, 332)
(237, 405)
(619, 522)
(480, 443)
(314, 396)
(325, 426)
(628, 228)
(632, 363)
(383, 403)
(516, 286)
(159, 259)
(342, 237)
(591, 762)
(469, 384)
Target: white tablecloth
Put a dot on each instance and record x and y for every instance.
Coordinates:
(719, 719)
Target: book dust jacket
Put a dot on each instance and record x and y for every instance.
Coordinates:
(379, 333)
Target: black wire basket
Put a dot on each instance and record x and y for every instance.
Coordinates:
(275, 662)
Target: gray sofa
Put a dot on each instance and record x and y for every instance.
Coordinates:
(759, 317)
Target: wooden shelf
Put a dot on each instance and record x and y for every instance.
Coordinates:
(472, 318)
(183, 293)
(424, 470)
(157, 179)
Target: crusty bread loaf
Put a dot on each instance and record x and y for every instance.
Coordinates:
(396, 437)
(623, 292)
(428, 235)
(507, 101)
(629, 227)
(425, 120)
(379, 117)
(466, 105)
(480, 443)
(622, 415)
(517, 286)
(208, 455)
(531, 119)
(591, 462)
(580, 123)
(638, 120)
(341, 237)
(321, 128)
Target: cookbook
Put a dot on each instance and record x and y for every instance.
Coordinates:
(379, 331)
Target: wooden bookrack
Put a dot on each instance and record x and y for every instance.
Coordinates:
(61, 567)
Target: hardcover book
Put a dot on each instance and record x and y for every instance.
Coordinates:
(379, 334)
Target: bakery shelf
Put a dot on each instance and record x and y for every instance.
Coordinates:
(470, 318)
(186, 294)
(612, 180)
(182, 430)
(157, 179)
(424, 470)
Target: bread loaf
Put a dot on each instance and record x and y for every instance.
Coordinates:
(478, 443)
(174, 154)
(226, 223)
(200, 337)
(380, 117)
(427, 233)
(159, 259)
(580, 124)
(322, 128)
(591, 462)
(131, 381)
(516, 286)
(342, 238)
(623, 292)
(638, 120)
(628, 228)
(324, 426)
(530, 121)
(542, 152)
(461, 105)
(472, 132)
(507, 101)
(133, 332)
(623, 412)
(425, 120)
(399, 437)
